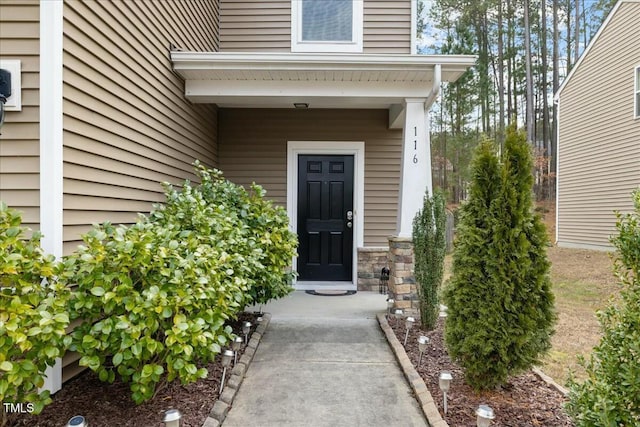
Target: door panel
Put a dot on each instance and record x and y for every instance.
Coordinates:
(325, 196)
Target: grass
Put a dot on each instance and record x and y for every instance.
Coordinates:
(583, 283)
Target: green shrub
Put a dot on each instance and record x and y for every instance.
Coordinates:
(155, 296)
(500, 307)
(33, 314)
(610, 396)
(429, 251)
(265, 237)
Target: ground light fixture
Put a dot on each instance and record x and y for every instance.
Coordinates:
(408, 323)
(227, 355)
(485, 415)
(443, 310)
(445, 382)
(422, 346)
(77, 421)
(246, 327)
(398, 314)
(172, 418)
(235, 346)
(259, 320)
(390, 303)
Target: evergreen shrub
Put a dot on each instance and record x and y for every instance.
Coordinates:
(154, 296)
(429, 227)
(500, 306)
(33, 315)
(610, 396)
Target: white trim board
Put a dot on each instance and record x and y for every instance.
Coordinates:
(355, 148)
(51, 152)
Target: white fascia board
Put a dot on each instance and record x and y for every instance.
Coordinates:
(593, 41)
(306, 89)
(185, 61)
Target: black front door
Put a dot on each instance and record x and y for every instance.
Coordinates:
(325, 217)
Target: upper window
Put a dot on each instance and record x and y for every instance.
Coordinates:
(326, 25)
(637, 92)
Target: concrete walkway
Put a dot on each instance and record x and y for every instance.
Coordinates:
(323, 361)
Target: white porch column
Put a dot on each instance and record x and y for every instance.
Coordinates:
(415, 171)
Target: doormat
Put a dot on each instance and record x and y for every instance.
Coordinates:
(331, 293)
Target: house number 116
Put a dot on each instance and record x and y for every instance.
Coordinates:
(415, 145)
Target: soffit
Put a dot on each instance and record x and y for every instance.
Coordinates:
(323, 80)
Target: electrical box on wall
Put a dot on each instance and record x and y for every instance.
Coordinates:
(11, 74)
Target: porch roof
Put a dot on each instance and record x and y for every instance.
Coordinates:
(238, 79)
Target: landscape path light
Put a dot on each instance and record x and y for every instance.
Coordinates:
(422, 346)
(235, 346)
(485, 415)
(227, 355)
(445, 382)
(398, 314)
(77, 421)
(408, 323)
(172, 418)
(390, 303)
(443, 310)
(246, 327)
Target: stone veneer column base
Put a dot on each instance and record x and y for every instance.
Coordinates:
(370, 264)
(402, 282)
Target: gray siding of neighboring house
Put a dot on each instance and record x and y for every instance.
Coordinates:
(265, 26)
(19, 139)
(599, 150)
(127, 125)
(253, 147)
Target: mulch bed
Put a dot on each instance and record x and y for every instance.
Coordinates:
(109, 405)
(524, 401)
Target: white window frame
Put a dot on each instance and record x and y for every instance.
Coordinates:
(636, 91)
(353, 46)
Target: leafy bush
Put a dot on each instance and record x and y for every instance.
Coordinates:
(610, 396)
(265, 239)
(155, 296)
(33, 314)
(429, 251)
(500, 307)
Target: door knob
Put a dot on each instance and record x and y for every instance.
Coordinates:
(349, 224)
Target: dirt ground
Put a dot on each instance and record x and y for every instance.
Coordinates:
(525, 401)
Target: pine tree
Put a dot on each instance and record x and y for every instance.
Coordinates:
(470, 292)
(500, 303)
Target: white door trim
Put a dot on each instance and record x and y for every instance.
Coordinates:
(354, 148)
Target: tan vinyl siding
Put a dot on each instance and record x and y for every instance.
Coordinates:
(387, 26)
(265, 26)
(19, 139)
(599, 150)
(258, 153)
(255, 25)
(127, 125)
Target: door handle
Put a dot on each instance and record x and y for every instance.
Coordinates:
(349, 224)
(349, 215)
